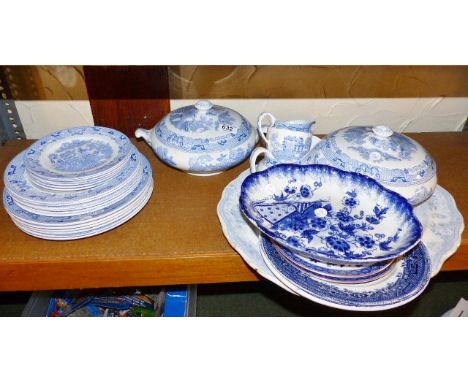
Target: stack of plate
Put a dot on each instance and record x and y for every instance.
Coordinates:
(337, 237)
(76, 183)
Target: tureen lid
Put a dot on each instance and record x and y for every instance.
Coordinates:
(204, 127)
(379, 152)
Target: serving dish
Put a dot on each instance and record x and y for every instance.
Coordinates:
(329, 269)
(328, 276)
(329, 214)
(396, 161)
(442, 221)
(201, 139)
(407, 279)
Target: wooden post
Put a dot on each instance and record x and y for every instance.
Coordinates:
(127, 97)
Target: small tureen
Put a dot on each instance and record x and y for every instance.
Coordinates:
(201, 139)
(394, 160)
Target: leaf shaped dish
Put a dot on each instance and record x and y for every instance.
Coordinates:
(330, 215)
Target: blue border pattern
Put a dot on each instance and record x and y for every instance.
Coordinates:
(402, 241)
(413, 276)
(33, 154)
(34, 218)
(327, 152)
(203, 145)
(319, 267)
(18, 185)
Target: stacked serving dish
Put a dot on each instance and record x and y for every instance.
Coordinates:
(342, 238)
(76, 183)
(321, 224)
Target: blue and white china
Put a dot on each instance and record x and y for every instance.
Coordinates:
(443, 226)
(17, 183)
(329, 269)
(239, 232)
(92, 230)
(269, 160)
(77, 152)
(407, 279)
(398, 162)
(285, 141)
(330, 215)
(324, 271)
(79, 225)
(76, 183)
(201, 139)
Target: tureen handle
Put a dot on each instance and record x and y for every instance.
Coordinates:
(145, 134)
(264, 129)
(253, 157)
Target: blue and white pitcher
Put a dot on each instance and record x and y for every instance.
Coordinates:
(286, 142)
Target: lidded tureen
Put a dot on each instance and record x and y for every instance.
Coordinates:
(201, 139)
(396, 161)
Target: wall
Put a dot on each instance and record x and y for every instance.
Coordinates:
(401, 114)
(407, 98)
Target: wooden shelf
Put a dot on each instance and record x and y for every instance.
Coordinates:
(177, 237)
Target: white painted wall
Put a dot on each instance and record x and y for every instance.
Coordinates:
(40, 118)
(401, 114)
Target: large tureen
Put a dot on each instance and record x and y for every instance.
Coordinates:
(396, 161)
(201, 139)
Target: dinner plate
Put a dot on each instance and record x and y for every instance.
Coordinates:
(97, 229)
(65, 221)
(86, 206)
(74, 185)
(25, 193)
(90, 223)
(77, 152)
(407, 279)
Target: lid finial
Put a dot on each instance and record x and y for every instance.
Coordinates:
(204, 105)
(382, 131)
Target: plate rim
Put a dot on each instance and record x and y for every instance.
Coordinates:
(41, 143)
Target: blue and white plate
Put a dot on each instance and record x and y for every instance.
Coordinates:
(348, 280)
(328, 269)
(88, 207)
(408, 278)
(19, 186)
(94, 229)
(60, 221)
(82, 225)
(77, 152)
(442, 221)
(362, 278)
(329, 214)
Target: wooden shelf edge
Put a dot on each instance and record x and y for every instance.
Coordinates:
(127, 272)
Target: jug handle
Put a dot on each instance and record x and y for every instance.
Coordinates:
(253, 157)
(261, 128)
